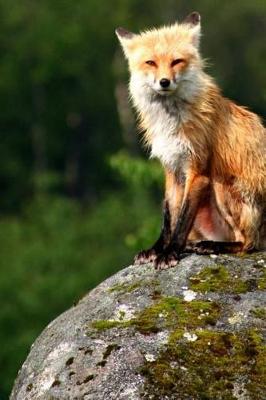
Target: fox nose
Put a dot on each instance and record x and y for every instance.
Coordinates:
(164, 83)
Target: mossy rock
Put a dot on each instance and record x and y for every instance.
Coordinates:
(196, 331)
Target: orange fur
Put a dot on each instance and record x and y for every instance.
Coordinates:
(224, 175)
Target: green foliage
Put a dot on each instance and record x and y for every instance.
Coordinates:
(137, 172)
(143, 184)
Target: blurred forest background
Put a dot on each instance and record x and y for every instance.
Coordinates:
(78, 196)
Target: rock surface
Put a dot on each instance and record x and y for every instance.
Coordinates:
(196, 331)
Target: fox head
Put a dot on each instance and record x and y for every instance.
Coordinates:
(163, 61)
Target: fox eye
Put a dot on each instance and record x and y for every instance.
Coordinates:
(177, 61)
(151, 63)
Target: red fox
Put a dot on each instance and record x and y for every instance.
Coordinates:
(212, 150)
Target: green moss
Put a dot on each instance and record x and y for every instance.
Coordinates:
(153, 284)
(259, 312)
(168, 312)
(173, 312)
(208, 367)
(109, 324)
(218, 279)
(125, 287)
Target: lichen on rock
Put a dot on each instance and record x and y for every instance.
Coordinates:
(196, 331)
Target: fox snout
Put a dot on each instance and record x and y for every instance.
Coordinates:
(164, 86)
(165, 83)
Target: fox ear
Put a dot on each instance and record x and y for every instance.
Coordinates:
(193, 20)
(124, 38)
(122, 34)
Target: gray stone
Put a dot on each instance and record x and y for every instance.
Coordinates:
(196, 331)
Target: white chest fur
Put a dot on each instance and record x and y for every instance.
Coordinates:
(167, 142)
(164, 117)
(171, 151)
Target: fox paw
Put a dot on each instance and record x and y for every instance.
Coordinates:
(167, 260)
(145, 256)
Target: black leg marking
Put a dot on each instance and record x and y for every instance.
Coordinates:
(150, 255)
(212, 247)
(183, 226)
(171, 254)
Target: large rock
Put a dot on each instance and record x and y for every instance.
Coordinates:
(196, 331)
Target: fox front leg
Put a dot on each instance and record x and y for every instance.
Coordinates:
(195, 191)
(150, 255)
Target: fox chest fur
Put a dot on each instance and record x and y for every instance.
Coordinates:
(164, 119)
